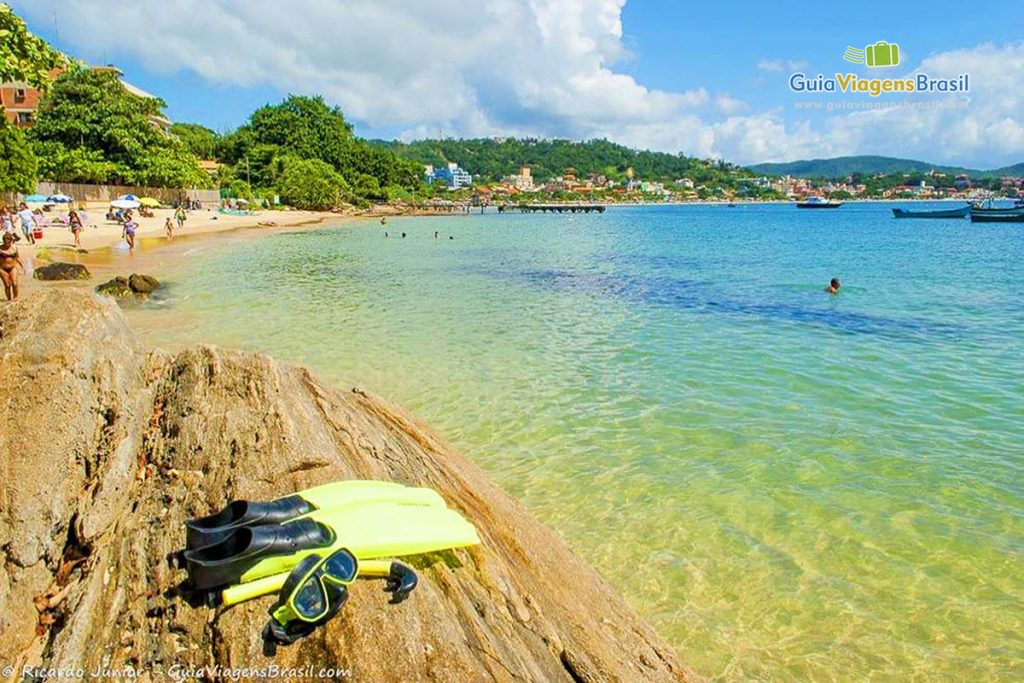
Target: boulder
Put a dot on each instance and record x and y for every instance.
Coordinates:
(59, 270)
(118, 287)
(142, 284)
(99, 478)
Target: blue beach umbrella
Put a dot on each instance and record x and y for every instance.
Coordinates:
(35, 199)
(59, 199)
(129, 198)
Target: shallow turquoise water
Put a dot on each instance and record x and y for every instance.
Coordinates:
(787, 485)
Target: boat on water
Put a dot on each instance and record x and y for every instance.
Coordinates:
(1011, 215)
(818, 203)
(960, 212)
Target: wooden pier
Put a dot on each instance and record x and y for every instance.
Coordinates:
(552, 208)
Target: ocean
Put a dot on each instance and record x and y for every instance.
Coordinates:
(786, 484)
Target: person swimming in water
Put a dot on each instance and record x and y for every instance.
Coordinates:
(833, 286)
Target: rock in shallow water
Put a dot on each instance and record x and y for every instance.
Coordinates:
(142, 284)
(59, 270)
(133, 285)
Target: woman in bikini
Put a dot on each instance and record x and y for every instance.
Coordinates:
(129, 230)
(9, 260)
(75, 223)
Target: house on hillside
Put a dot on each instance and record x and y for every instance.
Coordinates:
(21, 101)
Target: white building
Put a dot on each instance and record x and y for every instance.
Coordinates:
(522, 181)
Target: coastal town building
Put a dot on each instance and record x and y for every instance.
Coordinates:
(451, 175)
(522, 181)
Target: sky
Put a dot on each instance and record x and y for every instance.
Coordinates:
(704, 79)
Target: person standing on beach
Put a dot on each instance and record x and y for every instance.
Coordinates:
(169, 227)
(75, 223)
(9, 260)
(27, 222)
(179, 217)
(7, 221)
(129, 230)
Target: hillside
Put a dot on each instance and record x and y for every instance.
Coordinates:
(840, 167)
(492, 159)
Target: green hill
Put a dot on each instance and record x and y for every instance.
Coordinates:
(840, 167)
(492, 159)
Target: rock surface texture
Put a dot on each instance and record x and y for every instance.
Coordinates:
(106, 448)
(59, 270)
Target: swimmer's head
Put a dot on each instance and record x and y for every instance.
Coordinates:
(835, 284)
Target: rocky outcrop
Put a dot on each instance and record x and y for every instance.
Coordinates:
(60, 270)
(105, 449)
(135, 284)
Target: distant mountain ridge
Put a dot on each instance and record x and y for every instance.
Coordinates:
(840, 167)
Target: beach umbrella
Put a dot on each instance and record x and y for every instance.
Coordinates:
(35, 199)
(129, 197)
(125, 204)
(59, 198)
(149, 201)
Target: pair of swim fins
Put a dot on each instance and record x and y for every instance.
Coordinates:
(248, 541)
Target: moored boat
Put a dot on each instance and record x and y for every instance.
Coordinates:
(1011, 215)
(818, 203)
(961, 212)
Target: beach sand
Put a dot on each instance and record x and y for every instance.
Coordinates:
(105, 253)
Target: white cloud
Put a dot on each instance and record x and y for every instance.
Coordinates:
(522, 67)
(984, 128)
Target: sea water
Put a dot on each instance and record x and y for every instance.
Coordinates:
(786, 484)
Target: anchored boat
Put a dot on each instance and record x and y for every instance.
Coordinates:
(961, 212)
(1011, 215)
(818, 203)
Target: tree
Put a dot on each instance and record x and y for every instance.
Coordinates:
(23, 56)
(310, 184)
(18, 171)
(307, 128)
(87, 112)
(199, 140)
(73, 165)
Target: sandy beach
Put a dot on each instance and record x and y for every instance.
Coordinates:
(105, 253)
(100, 233)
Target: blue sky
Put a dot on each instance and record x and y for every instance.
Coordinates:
(708, 79)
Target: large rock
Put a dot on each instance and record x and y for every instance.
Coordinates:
(99, 476)
(59, 270)
(142, 284)
(117, 287)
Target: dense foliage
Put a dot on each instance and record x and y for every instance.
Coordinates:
(310, 184)
(306, 128)
(89, 128)
(18, 171)
(23, 56)
(198, 140)
(28, 59)
(492, 159)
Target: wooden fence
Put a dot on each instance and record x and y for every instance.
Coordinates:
(101, 194)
